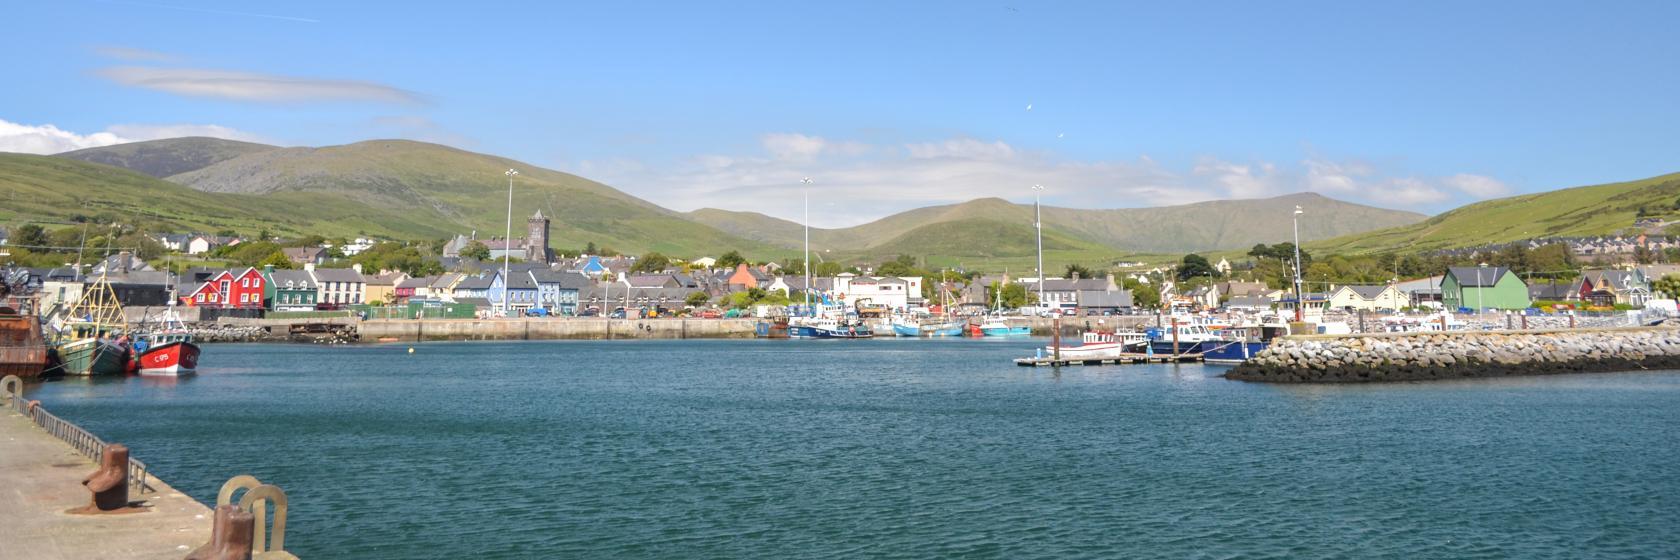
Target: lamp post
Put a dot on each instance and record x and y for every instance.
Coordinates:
(1479, 268)
(507, 237)
(1038, 226)
(1298, 302)
(806, 191)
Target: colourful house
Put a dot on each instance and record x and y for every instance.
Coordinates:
(1483, 287)
(291, 290)
(229, 290)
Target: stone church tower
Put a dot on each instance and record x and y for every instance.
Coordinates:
(536, 239)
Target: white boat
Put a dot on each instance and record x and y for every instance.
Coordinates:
(1100, 345)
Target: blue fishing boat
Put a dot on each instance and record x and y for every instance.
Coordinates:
(1239, 344)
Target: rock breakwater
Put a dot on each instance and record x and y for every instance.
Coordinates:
(1455, 355)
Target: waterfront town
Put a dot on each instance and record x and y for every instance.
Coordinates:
(386, 281)
(464, 278)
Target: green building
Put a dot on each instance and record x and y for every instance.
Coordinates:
(290, 290)
(1483, 287)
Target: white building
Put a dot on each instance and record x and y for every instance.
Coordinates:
(894, 293)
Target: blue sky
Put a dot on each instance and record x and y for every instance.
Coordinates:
(888, 106)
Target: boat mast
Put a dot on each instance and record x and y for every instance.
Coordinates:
(806, 191)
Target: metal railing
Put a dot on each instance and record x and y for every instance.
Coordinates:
(79, 439)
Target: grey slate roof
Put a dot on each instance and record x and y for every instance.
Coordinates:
(299, 279)
(1368, 292)
(1105, 299)
(1252, 302)
(338, 275)
(1469, 276)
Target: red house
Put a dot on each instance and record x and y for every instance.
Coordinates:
(226, 289)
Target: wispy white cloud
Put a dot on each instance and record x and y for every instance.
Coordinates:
(133, 54)
(49, 139)
(863, 182)
(1478, 186)
(1408, 192)
(249, 86)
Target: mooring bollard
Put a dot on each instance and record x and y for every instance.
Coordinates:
(11, 388)
(230, 536)
(248, 494)
(109, 484)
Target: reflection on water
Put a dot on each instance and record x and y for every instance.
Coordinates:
(897, 449)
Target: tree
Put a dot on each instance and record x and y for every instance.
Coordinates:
(277, 260)
(827, 269)
(29, 235)
(697, 299)
(1144, 296)
(1668, 286)
(651, 262)
(731, 259)
(397, 256)
(1194, 266)
(903, 265)
(590, 248)
(1013, 296)
(1074, 269)
(1643, 255)
(251, 253)
(476, 250)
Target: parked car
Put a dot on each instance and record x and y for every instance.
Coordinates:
(710, 314)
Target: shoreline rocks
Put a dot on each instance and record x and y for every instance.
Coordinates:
(1459, 355)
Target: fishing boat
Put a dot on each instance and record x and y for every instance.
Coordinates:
(776, 328)
(167, 352)
(1184, 338)
(1238, 344)
(92, 339)
(23, 351)
(1101, 345)
(997, 326)
(827, 327)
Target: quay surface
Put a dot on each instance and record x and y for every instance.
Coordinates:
(41, 478)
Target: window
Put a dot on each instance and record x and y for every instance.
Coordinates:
(244, 282)
(200, 298)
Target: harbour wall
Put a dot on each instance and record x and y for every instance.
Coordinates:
(552, 329)
(1457, 355)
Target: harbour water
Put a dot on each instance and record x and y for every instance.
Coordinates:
(895, 449)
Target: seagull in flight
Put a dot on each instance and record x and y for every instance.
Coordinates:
(1029, 106)
(1061, 134)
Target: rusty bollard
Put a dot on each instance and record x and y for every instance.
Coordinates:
(230, 536)
(109, 484)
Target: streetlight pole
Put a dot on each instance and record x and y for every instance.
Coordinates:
(1479, 288)
(1038, 226)
(806, 191)
(507, 238)
(1298, 302)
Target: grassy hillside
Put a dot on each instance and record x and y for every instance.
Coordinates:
(162, 158)
(1579, 211)
(51, 189)
(1224, 224)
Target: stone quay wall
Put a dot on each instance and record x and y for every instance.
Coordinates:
(1460, 354)
(408, 330)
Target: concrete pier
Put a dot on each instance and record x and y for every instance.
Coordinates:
(1460, 354)
(41, 478)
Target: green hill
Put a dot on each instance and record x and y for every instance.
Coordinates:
(1579, 211)
(375, 196)
(162, 158)
(1222, 224)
